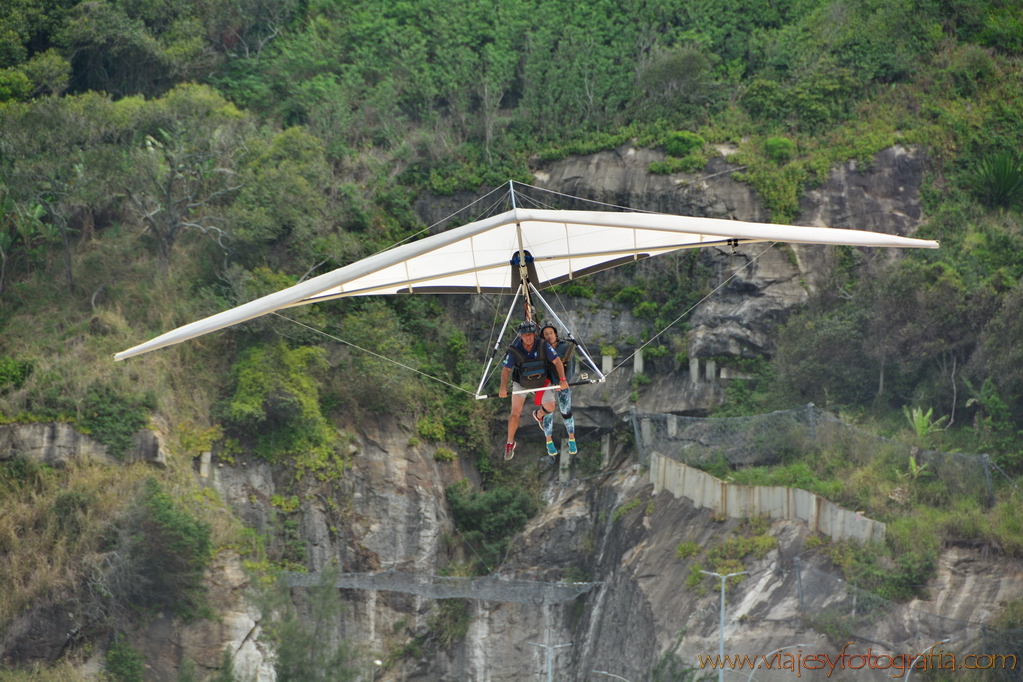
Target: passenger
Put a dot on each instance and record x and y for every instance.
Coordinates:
(544, 413)
(526, 361)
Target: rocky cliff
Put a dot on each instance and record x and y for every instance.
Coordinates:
(390, 511)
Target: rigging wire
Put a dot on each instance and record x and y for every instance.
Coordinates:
(486, 212)
(443, 220)
(377, 355)
(693, 307)
(591, 201)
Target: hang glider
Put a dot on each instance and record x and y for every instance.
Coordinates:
(556, 246)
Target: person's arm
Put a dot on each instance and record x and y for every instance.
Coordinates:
(559, 366)
(505, 372)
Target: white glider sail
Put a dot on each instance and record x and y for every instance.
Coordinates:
(559, 245)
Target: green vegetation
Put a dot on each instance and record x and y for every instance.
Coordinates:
(165, 550)
(779, 149)
(276, 405)
(125, 663)
(686, 550)
(160, 162)
(444, 455)
(487, 519)
(449, 621)
(113, 418)
(304, 635)
(624, 509)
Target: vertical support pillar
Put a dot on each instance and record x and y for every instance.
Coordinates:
(712, 371)
(605, 450)
(987, 477)
(799, 582)
(694, 371)
(204, 464)
(646, 427)
(635, 430)
(672, 425)
(565, 470)
(637, 362)
(607, 363)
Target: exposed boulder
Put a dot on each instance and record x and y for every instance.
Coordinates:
(51, 443)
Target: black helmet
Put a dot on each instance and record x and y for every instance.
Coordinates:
(548, 324)
(527, 327)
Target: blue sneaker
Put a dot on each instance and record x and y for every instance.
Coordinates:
(552, 449)
(572, 449)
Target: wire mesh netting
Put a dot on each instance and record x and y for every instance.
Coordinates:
(490, 588)
(741, 441)
(782, 436)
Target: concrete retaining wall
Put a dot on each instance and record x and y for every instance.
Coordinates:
(739, 501)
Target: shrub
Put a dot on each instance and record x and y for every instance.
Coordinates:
(630, 295)
(575, 289)
(444, 455)
(998, 180)
(430, 428)
(157, 554)
(276, 402)
(695, 576)
(113, 417)
(489, 518)
(682, 143)
(687, 164)
(13, 373)
(304, 643)
(970, 69)
(625, 509)
(645, 310)
(686, 550)
(69, 507)
(449, 621)
(125, 663)
(779, 149)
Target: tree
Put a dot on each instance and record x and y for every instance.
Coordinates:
(185, 167)
(305, 632)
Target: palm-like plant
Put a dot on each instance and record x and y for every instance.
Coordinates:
(998, 180)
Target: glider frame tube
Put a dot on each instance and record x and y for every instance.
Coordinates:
(568, 331)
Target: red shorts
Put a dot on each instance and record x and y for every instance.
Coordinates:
(538, 396)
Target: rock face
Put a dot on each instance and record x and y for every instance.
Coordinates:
(53, 443)
(58, 443)
(389, 511)
(644, 616)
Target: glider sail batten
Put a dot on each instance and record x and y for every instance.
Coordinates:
(475, 257)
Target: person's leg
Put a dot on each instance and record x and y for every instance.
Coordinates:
(548, 419)
(517, 401)
(542, 412)
(565, 406)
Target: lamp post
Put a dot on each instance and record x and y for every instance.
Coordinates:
(721, 643)
(550, 657)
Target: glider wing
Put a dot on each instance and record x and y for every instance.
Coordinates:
(563, 245)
